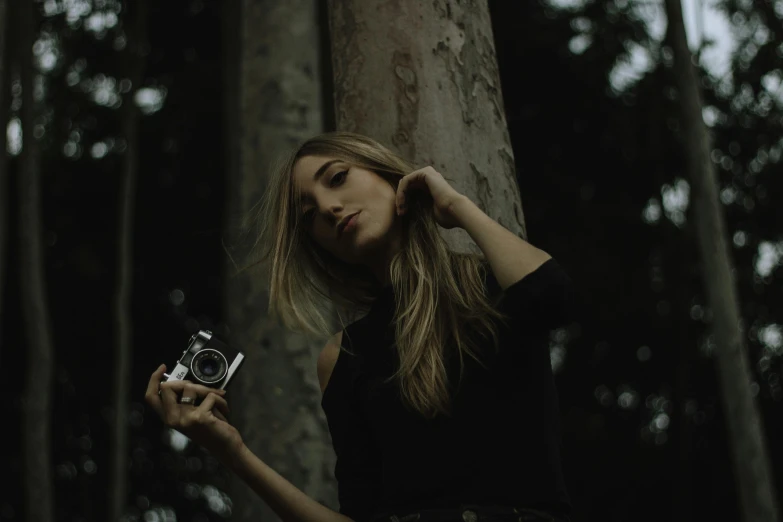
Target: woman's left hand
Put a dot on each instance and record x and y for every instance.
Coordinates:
(444, 196)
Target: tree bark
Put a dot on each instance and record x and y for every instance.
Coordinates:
(753, 475)
(273, 102)
(430, 70)
(37, 398)
(4, 82)
(118, 491)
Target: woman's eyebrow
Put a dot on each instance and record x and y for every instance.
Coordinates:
(322, 169)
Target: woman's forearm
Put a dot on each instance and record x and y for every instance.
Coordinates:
(510, 257)
(289, 502)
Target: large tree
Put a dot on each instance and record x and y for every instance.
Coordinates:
(37, 400)
(123, 321)
(273, 95)
(4, 81)
(429, 87)
(747, 444)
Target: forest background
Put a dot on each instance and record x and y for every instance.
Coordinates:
(595, 124)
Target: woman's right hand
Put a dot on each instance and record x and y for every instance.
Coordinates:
(205, 424)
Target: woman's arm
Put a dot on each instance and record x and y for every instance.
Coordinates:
(510, 257)
(537, 292)
(285, 499)
(289, 502)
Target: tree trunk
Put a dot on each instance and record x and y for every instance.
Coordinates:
(4, 82)
(118, 491)
(37, 399)
(753, 475)
(273, 101)
(428, 86)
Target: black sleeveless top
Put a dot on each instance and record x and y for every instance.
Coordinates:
(500, 446)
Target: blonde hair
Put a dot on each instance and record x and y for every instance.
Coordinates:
(440, 294)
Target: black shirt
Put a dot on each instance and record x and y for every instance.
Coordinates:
(500, 446)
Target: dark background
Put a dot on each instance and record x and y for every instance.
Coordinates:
(644, 433)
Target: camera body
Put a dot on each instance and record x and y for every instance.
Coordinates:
(206, 361)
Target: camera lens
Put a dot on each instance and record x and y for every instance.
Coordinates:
(209, 366)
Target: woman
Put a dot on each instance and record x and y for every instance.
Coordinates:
(420, 431)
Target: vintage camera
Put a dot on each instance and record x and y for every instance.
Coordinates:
(206, 361)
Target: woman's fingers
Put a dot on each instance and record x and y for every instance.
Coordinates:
(179, 387)
(164, 398)
(151, 395)
(170, 406)
(214, 401)
(222, 406)
(189, 394)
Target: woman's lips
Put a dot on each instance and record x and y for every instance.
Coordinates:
(351, 224)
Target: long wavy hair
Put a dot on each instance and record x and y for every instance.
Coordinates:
(440, 298)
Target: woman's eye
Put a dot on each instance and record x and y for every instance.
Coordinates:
(337, 175)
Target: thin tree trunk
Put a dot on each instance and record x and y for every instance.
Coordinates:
(4, 82)
(428, 86)
(273, 102)
(118, 491)
(37, 402)
(747, 444)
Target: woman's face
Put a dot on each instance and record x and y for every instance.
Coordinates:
(333, 189)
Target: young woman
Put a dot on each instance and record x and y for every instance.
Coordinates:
(421, 432)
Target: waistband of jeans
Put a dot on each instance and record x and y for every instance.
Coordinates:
(471, 513)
